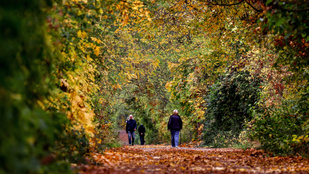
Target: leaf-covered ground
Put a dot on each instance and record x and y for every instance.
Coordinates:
(165, 159)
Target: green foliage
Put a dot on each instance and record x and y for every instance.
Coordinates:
(282, 129)
(73, 146)
(288, 19)
(95, 62)
(292, 40)
(28, 131)
(223, 139)
(106, 138)
(229, 104)
(278, 129)
(243, 141)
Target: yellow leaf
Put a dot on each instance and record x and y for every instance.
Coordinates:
(41, 104)
(96, 51)
(126, 19)
(89, 58)
(81, 34)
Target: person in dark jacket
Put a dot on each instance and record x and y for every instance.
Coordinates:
(141, 131)
(175, 125)
(130, 129)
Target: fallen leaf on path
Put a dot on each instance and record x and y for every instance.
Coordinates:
(164, 159)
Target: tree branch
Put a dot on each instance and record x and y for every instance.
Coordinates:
(291, 10)
(221, 4)
(253, 6)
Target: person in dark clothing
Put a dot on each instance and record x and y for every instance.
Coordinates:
(141, 131)
(175, 125)
(130, 129)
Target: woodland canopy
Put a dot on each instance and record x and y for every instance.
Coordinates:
(73, 70)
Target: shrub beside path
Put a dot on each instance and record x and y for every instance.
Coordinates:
(165, 159)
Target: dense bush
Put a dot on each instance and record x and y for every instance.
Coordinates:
(28, 131)
(29, 127)
(229, 104)
(282, 130)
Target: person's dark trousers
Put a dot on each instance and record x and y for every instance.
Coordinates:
(131, 135)
(142, 139)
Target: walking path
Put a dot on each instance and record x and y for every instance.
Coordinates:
(123, 137)
(165, 159)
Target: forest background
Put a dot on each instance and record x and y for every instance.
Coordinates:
(72, 71)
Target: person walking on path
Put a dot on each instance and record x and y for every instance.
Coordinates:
(175, 125)
(130, 129)
(141, 131)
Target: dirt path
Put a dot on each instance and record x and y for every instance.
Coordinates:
(123, 137)
(164, 159)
